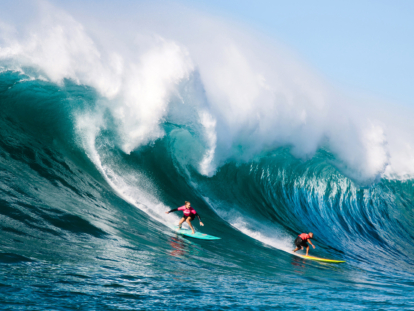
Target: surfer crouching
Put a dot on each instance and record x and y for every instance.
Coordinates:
(301, 242)
(189, 214)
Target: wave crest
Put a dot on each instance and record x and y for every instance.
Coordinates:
(241, 95)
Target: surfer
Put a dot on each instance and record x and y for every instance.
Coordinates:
(189, 214)
(301, 242)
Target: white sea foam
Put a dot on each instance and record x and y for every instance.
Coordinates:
(255, 96)
(266, 233)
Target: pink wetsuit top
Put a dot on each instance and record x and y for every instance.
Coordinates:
(304, 236)
(187, 212)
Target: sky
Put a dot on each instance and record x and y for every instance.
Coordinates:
(361, 46)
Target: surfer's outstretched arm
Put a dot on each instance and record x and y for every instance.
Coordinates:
(173, 210)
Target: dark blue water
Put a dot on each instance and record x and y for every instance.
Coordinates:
(75, 237)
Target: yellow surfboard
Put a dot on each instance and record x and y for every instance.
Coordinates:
(320, 259)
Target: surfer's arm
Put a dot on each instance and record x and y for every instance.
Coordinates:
(173, 210)
(199, 218)
(311, 243)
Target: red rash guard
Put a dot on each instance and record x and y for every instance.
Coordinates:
(304, 236)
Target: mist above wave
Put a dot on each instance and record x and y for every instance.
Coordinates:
(238, 93)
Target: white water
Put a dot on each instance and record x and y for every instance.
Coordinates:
(251, 95)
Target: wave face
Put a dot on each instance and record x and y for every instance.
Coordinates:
(96, 143)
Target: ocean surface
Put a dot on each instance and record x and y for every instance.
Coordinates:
(101, 134)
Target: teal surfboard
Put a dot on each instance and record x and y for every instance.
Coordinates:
(197, 235)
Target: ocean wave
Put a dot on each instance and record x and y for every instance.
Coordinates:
(252, 137)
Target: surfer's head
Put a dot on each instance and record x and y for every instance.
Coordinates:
(311, 235)
(187, 204)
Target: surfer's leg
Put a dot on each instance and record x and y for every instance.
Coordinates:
(298, 241)
(189, 223)
(307, 250)
(181, 222)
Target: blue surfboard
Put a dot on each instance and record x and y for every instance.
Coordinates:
(197, 235)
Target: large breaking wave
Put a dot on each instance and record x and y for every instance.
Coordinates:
(221, 118)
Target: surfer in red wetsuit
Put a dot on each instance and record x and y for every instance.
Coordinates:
(189, 214)
(301, 242)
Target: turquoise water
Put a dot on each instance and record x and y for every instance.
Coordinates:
(75, 239)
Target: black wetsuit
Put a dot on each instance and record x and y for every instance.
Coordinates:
(299, 242)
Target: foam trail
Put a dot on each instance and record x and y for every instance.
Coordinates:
(268, 234)
(123, 186)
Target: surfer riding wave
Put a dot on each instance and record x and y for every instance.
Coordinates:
(189, 214)
(301, 242)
